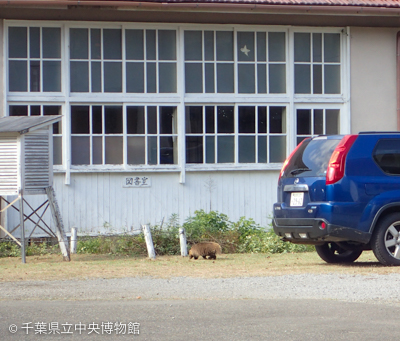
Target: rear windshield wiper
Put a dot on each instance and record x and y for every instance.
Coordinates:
(299, 170)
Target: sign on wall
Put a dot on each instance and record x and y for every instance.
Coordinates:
(136, 181)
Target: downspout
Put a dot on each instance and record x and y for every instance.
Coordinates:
(398, 79)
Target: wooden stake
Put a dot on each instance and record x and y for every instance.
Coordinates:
(149, 241)
(182, 240)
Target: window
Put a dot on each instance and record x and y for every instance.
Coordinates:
(40, 110)
(313, 122)
(103, 134)
(317, 63)
(387, 155)
(98, 63)
(212, 136)
(210, 65)
(34, 59)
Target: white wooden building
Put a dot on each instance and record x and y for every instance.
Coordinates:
(172, 107)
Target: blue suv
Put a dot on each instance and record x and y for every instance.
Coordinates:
(342, 194)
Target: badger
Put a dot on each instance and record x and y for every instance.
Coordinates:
(205, 249)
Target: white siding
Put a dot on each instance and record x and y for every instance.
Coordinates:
(8, 165)
(97, 202)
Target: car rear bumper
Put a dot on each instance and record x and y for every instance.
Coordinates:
(311, 231)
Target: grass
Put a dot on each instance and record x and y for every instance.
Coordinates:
(88, 266)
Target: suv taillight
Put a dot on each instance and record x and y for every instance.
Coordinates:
(337, 162)
(290, 156)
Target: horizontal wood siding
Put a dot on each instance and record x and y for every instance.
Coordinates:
(97, 202)
(8, 165)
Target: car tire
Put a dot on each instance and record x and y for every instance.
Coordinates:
(385, 242)
(333, 253)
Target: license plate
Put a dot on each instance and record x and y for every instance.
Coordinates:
(296, 199)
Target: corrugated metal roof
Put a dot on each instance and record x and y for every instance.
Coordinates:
(24, 124)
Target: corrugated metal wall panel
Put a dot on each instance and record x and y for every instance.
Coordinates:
(8, 165)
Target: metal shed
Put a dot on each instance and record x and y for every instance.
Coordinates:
(26, 167)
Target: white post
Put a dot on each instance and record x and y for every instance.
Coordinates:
(182, 240)
(73, 239)
(149, 241)
(22, 225)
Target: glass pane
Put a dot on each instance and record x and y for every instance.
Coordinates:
(225, 78)
(224, 45)
(152, 150)
(35, 76)
(97, 150)
(135, 77)
(331, 47)
(52, 110)
(332, 79)
(167, 77)
(151, 78)
(112, 77)
(210, 149)
(193, 78)
(210, 120)
(246, 78)
(245, 44)
(225, 119)
(194, 120)
(134, 44)
(302, 79)
(332, 121)
(302, 47)
(135, 120)
(262, 149)
(36, 111)
(97, 119)
(51, 42)
(194, 149)
(17, 42)
(79, 43)
(226, 149)
(17, 75)
(95, 43)
(57, 150)
(317, 79)
(277, 120)
(112, 47)
(80, 150)
(303, 122)
(209, 45)
(79, 119)
(79, 76)
(209, 74)
(18, 110)
(113, 119)
(276, 47)
(113, 150)
(247, 120)
(136, 150)
(262, 120)
(277, 78)
(317, 47)
(167, 150)
(151, 44)
(167, 120)
(193, 45)
(96, 77)
(318, 121)
(247, 149)
(34, 42)
(262, 78)
(261, 46)
(52, 76)
(152, 120)
(277, 148)
(167, 45)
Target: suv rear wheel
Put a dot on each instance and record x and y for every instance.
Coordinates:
(333, 253)
(385, 242)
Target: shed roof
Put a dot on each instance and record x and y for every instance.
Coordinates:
(25, 124)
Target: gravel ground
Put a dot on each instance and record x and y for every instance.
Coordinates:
(351, 288)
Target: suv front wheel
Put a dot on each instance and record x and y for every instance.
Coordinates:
(333, 253)
(385, 242)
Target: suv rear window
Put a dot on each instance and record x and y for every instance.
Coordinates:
(387, 155)
(312, 158)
